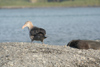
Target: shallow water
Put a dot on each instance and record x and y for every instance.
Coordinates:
(61, 24)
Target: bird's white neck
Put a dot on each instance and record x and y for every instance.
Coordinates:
(30, 26)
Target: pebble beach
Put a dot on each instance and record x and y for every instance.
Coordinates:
(22, 54)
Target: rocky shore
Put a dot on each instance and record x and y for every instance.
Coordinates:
(19, 54)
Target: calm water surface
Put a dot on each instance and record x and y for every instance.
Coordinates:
(61, 24)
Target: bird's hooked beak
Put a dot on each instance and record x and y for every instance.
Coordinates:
(23, 26)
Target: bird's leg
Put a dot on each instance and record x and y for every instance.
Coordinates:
(32, 38)
(42, 42)
(31, 41)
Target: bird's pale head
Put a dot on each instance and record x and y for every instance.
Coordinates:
(28, 24)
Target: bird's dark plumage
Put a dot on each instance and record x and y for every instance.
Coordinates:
(36, 30)
(37, 34)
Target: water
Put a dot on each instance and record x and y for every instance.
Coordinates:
(61, 24)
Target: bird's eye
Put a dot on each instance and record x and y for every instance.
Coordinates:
(26, 23)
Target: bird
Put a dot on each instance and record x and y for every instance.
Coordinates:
(35, 33)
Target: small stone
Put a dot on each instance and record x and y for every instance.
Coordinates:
(11, 63)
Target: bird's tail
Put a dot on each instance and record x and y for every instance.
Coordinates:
(45, 37)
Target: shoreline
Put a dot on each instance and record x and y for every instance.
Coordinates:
(23, 7)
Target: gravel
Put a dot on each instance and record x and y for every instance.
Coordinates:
(21, 54)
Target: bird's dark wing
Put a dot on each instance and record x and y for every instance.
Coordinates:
(35, 30)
